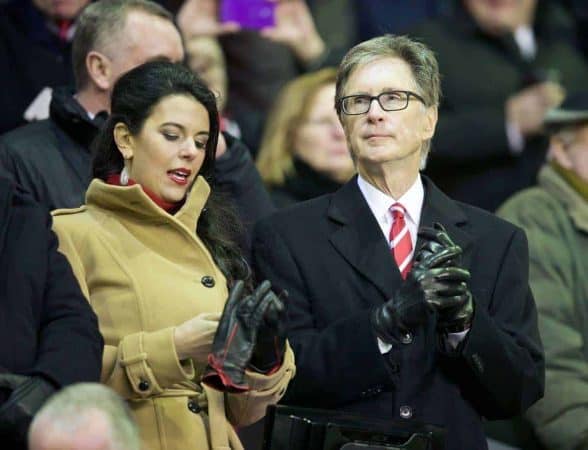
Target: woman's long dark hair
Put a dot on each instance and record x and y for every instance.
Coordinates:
(134, 96)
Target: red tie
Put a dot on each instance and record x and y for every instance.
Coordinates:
(400, 242)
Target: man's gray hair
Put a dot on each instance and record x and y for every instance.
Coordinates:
(417, 55)
(98, 27)
(68, 411)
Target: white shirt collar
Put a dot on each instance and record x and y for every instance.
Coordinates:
(525, 39)
(380, 203)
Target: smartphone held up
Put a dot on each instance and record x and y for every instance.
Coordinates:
(249, 14)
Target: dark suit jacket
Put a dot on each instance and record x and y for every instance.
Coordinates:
(331, 256)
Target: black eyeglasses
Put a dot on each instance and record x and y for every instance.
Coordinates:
(353, 105)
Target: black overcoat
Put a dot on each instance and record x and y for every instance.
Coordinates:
(333, 259)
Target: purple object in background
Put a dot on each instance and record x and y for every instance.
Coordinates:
(252, 14)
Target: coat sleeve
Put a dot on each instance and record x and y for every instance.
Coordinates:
(247, 408)
(503, 349)
(561, 417)
(142, 364)
(70, 345)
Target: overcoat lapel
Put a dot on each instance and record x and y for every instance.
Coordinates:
(438, 207)
(358, 238)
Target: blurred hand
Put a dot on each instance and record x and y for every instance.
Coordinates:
(200, 18)
(193, 338)
(526, 109)
(295, 28)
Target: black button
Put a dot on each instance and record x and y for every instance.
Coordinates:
(143, 385)
(207, 281)
(193, 406)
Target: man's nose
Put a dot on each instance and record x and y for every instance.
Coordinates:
(375, 112)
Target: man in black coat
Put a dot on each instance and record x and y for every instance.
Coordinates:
(51, 158)
(447, 342)
(48, 332)
(35, 56)
(503, 65)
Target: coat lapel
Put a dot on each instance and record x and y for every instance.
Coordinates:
(358, 238)
(438, 207)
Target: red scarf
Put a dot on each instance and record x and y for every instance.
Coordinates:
(170, 207)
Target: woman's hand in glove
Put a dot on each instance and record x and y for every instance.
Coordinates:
(236, 337)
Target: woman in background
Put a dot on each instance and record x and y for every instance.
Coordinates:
(303, 152)
(152, 251)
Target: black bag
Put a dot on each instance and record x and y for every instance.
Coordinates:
(293, 428)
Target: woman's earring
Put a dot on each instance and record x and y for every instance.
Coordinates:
(124, 176)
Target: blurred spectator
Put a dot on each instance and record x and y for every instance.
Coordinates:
(376, 17)
(51, 158)
(555, 217)
(205, 57)
(48, 331)
(35, 56)
(259, 63)
(84, 416)
(304, 153)
(504, 64)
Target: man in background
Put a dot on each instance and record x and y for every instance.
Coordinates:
(555, 217)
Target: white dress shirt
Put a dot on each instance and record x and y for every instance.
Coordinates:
(412, 201)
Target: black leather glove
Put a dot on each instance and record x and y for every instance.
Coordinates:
(270, 346)
(439, 250)
(425, 290)
(27, 396)
(235, 338)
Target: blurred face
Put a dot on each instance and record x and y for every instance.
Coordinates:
(166, 155)
(379, 138)
(145, 37)
(572, 152)
(92, 433)
(61, 9)
(501, 16)
(320, 141)
(205, 58)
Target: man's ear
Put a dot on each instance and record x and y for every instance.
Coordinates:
(557, 152)
(431, 115)
(99, 69)
(124, 140)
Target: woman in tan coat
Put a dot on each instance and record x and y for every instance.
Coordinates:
(149, 251)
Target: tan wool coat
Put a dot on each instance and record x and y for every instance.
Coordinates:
(144, 272)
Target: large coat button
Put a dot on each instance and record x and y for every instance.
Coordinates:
(193, 406)
(207, 281)
(144, 385)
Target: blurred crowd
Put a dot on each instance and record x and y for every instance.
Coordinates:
(505, 66)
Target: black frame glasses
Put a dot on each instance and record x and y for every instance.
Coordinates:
(344, 101)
